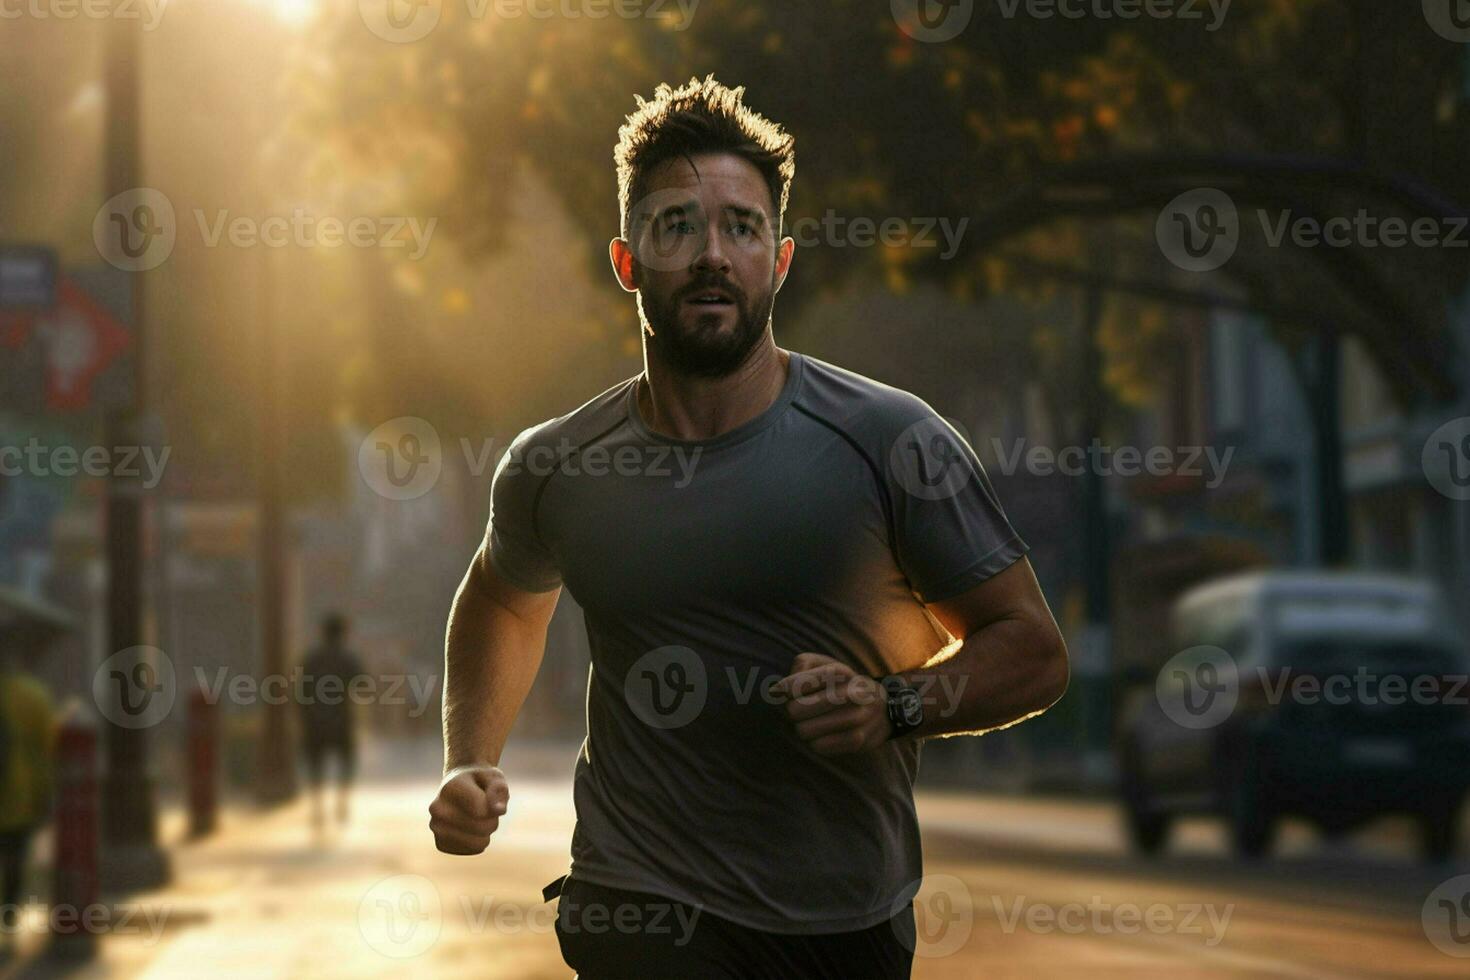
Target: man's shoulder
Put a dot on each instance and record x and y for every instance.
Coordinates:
(863, 408)
(598, 416)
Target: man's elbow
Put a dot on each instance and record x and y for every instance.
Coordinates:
(1054, 670)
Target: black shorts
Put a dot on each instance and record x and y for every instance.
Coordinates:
(316, 751)
(614, 933)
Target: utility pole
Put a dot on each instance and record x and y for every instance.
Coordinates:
(1094, 661)
(275, 766)
(131, 855)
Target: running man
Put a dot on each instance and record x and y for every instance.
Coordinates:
(777, 560)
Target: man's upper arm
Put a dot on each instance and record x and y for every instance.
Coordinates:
(1012, 593)
(514, 547)
(533, 609)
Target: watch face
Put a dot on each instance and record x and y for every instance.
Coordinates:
(910, 706)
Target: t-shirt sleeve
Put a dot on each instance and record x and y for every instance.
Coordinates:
(513, 540)
(951, 533)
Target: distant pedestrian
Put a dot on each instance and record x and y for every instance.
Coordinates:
(27, 743)
(327, 725)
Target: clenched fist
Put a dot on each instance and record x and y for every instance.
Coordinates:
(471, 801)
(835, 709)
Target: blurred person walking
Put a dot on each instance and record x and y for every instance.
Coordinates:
(328, 727)
(27, 777)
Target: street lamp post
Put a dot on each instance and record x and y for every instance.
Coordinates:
(131, 855)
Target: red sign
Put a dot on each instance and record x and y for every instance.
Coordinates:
(81, 339)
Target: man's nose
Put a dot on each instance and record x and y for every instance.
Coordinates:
(711, 257)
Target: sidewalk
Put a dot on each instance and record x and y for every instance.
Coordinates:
(264, 897)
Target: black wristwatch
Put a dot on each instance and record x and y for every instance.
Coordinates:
(905, 706)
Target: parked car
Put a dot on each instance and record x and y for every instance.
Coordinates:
(1337, 697)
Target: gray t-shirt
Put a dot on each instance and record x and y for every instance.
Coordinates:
(703, 567)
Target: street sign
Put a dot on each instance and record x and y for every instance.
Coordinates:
(74, 356)
(27, 277)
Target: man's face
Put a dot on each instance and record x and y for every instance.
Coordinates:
(706, 265)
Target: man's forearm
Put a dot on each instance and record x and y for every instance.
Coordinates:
(490, 661)
(1005, 672)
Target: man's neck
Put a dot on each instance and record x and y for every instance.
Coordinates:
(684, 407)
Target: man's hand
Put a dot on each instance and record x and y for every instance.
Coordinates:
(471, 801)
(836, 709)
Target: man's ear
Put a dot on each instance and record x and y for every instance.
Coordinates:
(785, 252)
(624, 264)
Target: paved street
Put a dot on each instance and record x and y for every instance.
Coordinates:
(1013, 889)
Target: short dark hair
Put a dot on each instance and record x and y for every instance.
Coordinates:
(700, 117)
(334, 625)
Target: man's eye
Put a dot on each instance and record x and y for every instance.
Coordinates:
(742, 229)
(682, 226)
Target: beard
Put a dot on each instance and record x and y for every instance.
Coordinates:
(698, 350)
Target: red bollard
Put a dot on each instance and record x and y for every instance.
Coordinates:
(74, 891)
(203, 756)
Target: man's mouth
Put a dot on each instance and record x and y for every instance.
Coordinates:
(709, 297)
